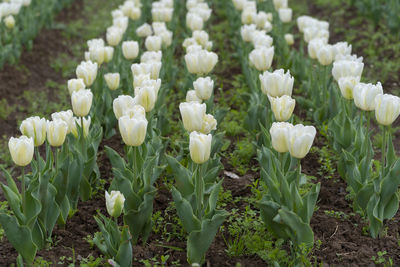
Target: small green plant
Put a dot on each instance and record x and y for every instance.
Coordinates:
(381, 259)
(6, 109)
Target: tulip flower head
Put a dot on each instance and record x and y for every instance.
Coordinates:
(123, 103)
(289, 39)
(21, 150)
(56, 132)
(67, 116)
(285, 14)
(364, 95)
(191, 96)
(280, 135)
(203, 87)
(200, 147)
(387, 108)
(112, 80)
(300, 140)
(261, 58)
(87, 71)
(115, 203)
(86, 126)
(153, 43)
(347, 84)
(75, 85)
(192, 115)
(201, 62)
(282, 107)
(277, 83)
(34, 127)
(209, 124)
(132, 130)
(144, 30)
(82, 102)
(130, 49)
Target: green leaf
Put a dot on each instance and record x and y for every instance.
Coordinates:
(185, 212)
(302, 231)
(182, 176)
(124, 255)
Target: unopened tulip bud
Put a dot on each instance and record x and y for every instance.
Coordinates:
(261, 58)
(280, 135)
(191, 96)
(346, 86)
(200, 147)
(112, 80)
(387, 108)
(133, 130)
(87, 71)
(285, 14)
(56, 132)
(300, 140)
(282, 107)
(66, 116)
(289, 39)
(192, 115)
(82, 102)
(277, 83)
(203, 87)
(115, 203)
(209, 124)
(364, 95)
(34, 127)
(21, 150)
(121, 104)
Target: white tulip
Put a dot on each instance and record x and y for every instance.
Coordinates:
(346, 86)
(249, 16)
(34, 127)
(139, 79)
(56, 132)
(364, 95)
(209, 124)
(192, 115)
(289, 39)
(260, 39)
(300, 140)
(153, 43)
(325, 55)
(112, 80)
(121, 104)
(115, 203)
(21, 150)
(152, 68)
(200, 147)
(277, 83)
(81, 102)
(203, 87)
(279, 132)
(95, 42)
(343, 68)
(246, 31)
(387, 108)
(67, 116)
(282, 107)
(261, 58)
(87, 71)
(315, 45)
(278, 4)
(9, 21)
(315, 32)
(130, 49)
(194, 22)
(150, 56)
(133, 130)
(144, 30)
(342, 49)
(114, 35)
(146, 97)
(201, 62)
(285, 14)
(191, 96)
(121, 22)
(108, 53)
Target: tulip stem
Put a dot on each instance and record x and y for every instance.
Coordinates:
(199, 190)
(361, 120)
(383, 152)
(23, 190)
(298, 172)
(38, 159)
(83, 138)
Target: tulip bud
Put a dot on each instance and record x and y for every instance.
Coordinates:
(153, 43)
(9, 21)
(123, 103)
(96, 54)
(121, 22)
(282, 107)
(277, 83)
(191, 96)
(364, 95)
(151, 56)
(192, 115)
(278, 4)
(56, 132)
(194, 22)
(34, 127)
(285, 14)
(21, 150)
(87, 71)
(86, 126)
(133, 130)
(347, 67)
(315, 45)
(325, 55)
(346, 85)
(115, 203)
(201, 62)
(108, 53)
(203, 87)
(246, 31)
(200, 147)
(289, 39)
(387, 108)
(261, 58)
(112, 80)
(146, 97)
(114, 35)
(280, 135)
(166, 38)
(152, 68)
(209, 124)
(66, 116)
(144, 30)
(300, 140)
(81, 102)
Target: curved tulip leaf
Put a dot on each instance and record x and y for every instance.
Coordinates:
(185, 212)
(301, 230)
(124, 255)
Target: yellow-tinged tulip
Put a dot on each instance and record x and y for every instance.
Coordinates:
(108, 53)
(146, 97)
(67, 116)
(278, 4)
(282, 107)
(86, 126)
(280, 135)
(96, 54)
(387, 108)
(285, 14)
(130, 49)
(56, 132)
(346, 85)
(123, 103)
(300, 140)
(21, 150)
(194, 22)
(133, 130)
(200, 147)
(112, 80)
(325, 55)
(87, 71)
(144, 30)
(9, 21)
(192, 115)
(261, 58)
(153, 43)
(34, 127)
(209, 124)
(364, 95)
(151, 56)
(115, 203)
(289, 39)
(82, 102)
